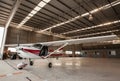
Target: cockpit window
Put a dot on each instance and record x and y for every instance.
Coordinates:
(37, 45)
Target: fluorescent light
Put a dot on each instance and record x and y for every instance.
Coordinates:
(77, 17)
(109, 23)
(30, 14)
(100, 25)
(33, 12)
(25, 20)
(28, 17)
(116, 4)
(94, 11)
(112, 4)
(42, 4)
(67, 22)
(22, 23)
(85, 14)
(46, 1)
(37, 8)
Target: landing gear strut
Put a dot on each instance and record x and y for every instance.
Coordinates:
(50, 65)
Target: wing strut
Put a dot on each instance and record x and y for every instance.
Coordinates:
(56, 50)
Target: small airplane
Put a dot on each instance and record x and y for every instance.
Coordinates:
(40, 50)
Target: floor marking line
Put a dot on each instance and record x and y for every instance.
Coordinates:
(10, 74)
(2, 75)
(10, 65)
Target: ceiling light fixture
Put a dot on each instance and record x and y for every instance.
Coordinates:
(90, 17)
(42, 4)
(37, 8)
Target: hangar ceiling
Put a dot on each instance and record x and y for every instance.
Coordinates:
(68, 18)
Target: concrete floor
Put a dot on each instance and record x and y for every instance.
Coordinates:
(64, 69)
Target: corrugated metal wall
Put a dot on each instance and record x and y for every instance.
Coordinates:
(27, 36)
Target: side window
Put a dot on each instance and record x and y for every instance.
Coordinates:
(97, 53)
(77, 52)
(112, 53)
(37, 45)
(85, 54)
(68, 52)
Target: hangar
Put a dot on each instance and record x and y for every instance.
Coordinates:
(43, 21)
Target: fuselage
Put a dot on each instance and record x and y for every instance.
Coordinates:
(35, 52)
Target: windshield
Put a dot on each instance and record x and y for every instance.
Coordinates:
(37, 45)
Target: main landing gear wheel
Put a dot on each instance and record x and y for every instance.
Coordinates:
(50, 65)
(31, 63)
(20, 68)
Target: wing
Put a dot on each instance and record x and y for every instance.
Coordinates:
(72, 41)
(81, 41)
(15, 45)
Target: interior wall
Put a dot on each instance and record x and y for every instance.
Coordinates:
(27, 36)
(103, 53)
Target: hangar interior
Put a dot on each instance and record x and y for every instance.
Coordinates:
(52, 20)
(41, 21)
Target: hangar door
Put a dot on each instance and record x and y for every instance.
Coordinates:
(1, 36)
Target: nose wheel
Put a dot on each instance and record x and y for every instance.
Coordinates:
(50, 65)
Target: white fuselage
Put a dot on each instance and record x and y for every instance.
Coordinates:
(32, 52)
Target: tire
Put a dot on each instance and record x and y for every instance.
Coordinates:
(31, 63)
(20, 68)
(50, 65)
(13, 57)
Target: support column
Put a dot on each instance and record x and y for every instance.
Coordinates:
(80, 48)
(15, 7)
(73, 49)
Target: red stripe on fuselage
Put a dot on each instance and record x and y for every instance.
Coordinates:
(32, 51)
(38, 52)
